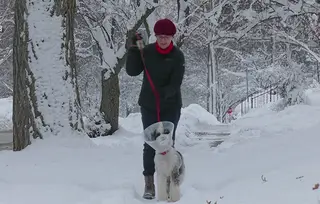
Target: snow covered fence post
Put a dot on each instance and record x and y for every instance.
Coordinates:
(46, 97)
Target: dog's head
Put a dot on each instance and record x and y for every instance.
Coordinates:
(163, 138)
(159, 135)
(155, 130)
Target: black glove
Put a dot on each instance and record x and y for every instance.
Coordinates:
(137, 40)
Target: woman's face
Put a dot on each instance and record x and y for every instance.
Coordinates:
(164, 40)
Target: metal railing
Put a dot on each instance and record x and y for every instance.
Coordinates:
(258, 99)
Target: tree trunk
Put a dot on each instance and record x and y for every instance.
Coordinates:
(75, 116)
(46, 96)
(110, 100)
(21, 117)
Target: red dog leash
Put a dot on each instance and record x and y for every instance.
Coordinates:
(154, 90)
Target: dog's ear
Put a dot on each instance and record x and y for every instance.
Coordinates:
(208, 202)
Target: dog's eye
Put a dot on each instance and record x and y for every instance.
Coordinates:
(156, 134)
(166, 131)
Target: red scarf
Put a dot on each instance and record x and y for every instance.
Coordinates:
(164, 51)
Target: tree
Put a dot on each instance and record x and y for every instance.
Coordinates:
(46, 96)
(112, 30)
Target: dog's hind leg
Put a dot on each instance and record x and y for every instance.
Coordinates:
(174, 193)
(162, 188)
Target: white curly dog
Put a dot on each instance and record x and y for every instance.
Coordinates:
(169, 162)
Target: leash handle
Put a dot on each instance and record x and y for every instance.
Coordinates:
(156, 94)
(140, 43)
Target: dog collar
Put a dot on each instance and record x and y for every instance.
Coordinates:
(164, 153)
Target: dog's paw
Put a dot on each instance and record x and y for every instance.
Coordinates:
(162, 196)
(172, 200)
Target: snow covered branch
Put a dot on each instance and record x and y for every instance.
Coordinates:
(314, 20)
(6, 85)
(101, 25)
(231, 21)
(6, 29)
(305, 46)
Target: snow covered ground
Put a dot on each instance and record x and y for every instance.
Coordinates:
(270, 157)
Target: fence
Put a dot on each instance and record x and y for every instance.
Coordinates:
(258, 100)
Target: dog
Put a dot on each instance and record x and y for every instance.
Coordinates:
(170, 169)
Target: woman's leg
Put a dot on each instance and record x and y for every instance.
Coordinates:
(148, 118)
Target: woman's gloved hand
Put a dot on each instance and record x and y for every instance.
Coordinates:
(137, 40)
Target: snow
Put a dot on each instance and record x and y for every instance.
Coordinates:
(6, 113)
(194, 114)
(270, 157)
(313, 97)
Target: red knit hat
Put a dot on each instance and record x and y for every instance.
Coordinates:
(164, 27)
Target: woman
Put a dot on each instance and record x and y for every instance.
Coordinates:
(160, 96)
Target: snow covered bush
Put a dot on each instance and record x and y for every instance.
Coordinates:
(95, 126)
(291, 83)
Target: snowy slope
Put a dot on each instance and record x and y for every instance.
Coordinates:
(271, 157)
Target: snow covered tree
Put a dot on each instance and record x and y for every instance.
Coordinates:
(46, 96)
(112, 27)
(6, 38)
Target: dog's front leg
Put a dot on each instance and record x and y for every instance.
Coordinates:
(162, 187)
(174, 193)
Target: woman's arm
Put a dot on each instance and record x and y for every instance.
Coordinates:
(134, 65)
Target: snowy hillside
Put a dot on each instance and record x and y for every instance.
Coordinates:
(271, 157)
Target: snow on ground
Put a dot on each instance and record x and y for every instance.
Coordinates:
(271, 157)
